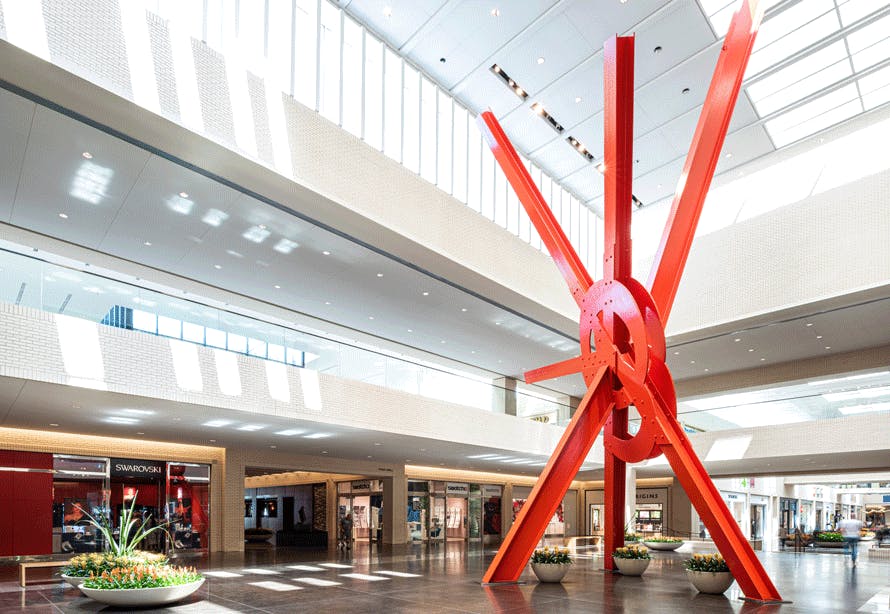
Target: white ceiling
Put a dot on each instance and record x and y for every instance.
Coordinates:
(456, 42)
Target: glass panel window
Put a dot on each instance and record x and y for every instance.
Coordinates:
(276, 352)
(193, 332)
(352, 77)
(280, 44)
(411, 124)
(329, 66)
(584, 224)
(445, 136)
(256, 347)
(169, 327)
(500, 198)
(295, 357)
(215, 338)
(487, 203)
(513, 208)
(373, 92)
(575, 223)
(142, 320)
(306, 29)
(392, 104)
(474, 167)
(237, 343)
(459, 171)
(428, 125)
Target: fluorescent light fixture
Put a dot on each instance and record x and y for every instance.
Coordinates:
(862, 393)
(285, 246)
(729, 448)
(862, 409)
(482, 456)
(316, 436)
(121, 420)
(90, 182)
(180, 205)
(251, 427)
(217, 423)
(291, 432)
(849, 378)
(138, 412)
(214, 217)
(256, 234)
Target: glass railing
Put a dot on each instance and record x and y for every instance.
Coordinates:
(49, 287)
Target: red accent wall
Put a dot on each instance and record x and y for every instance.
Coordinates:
(26, 505)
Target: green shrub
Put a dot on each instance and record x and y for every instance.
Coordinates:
(829, 536)
(664, 540)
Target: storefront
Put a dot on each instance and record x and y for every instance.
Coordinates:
(562, 521)
(363, 499)
(758, 506)
(787, 516)
(439, 511)
(71, 487)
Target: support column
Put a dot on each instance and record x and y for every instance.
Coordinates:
(505, 394)
(506, 509)
(395, 498)
(333, 516)
(233, 501)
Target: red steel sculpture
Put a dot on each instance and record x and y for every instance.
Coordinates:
(622, 323)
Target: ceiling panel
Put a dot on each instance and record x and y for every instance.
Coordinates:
(554, 160)
(528, 130)
(57, 178)
(396, 20)
(744, 145)
(15, 123)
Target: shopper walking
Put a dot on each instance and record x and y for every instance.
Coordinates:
(850, 532)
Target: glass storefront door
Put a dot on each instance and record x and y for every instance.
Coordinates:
(79, 486)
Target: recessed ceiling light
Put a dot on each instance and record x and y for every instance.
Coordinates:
(818, 336)
(737, 339)
(472, 351)
(273, 446)
(497, 323)
(324, 451)
(410, 330)
(463, 308)
(277, 287)
(377, 443)
(387, 11)
(541, 60)
(495, 12)
(184, 194)
(685, 90)
(706, 369)
(327, 302)
(217, 266)
(443, 341)
(677, 353)
(692, 362)
(326, 253)
(53, 424)
(369, 456)
(827, 347)
(762, 359)
(577, 99)
(379, 274)
(729, 155)
(425, 293)
(64, 216)
(750, 349)
(423, 449)
(370, 317)
(809, 323)
(87, 155)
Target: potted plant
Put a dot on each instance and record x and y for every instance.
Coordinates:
(551, 564)
(142, 585)
(663, 543)
(709, 573)
(630, 537)
(828, 539)
(83, 566)
(631, 560)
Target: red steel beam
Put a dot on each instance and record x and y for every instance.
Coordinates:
(615, 490)
(619, 131)
(553, 483)
(551, 233)
(704, 153)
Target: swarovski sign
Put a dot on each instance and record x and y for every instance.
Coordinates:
(128, 467)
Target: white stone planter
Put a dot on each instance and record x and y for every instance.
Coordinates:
(74, 581)
(551, 572)
(663, 545)
(142, 597)
(710, 582)
(631, 567)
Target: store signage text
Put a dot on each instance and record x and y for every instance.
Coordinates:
(363, 485)
(457, 489)
(491, 491)
(123, 467)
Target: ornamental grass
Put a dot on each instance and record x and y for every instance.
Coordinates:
(706, 562)
(142, 576)
(551, 555)
(631, 552)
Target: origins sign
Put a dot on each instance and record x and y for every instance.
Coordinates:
(130, 467)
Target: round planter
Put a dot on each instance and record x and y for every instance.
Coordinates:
(631, 567)
(74, 581)
(550, 572)
(142, 597)
(663, 545)
(829, 544)
(710, 582)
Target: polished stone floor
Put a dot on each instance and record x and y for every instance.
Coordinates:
(446, 578)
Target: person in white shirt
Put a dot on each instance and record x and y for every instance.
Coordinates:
(850, 531)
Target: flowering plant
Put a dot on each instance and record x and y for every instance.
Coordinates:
(631, 537)
(706, 562)
(552, 555)
(664, 540)
(142, 576)
(631, 552)
(94, 563)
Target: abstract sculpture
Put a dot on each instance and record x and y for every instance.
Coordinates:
(622, 323)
